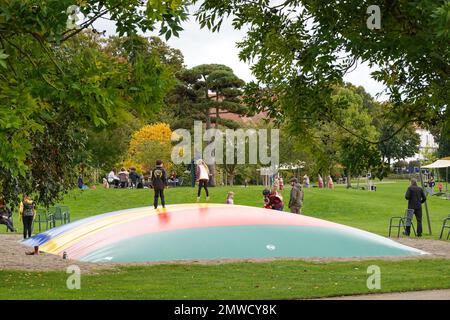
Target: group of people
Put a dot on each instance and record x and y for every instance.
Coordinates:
(160, 181)
(320, 182)
(131, 179)
(274, 200)
(430, 184)
(123, 179)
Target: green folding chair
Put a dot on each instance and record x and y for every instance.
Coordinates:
(402, 222)
(45, 217)
(445, 225)
(62, 214)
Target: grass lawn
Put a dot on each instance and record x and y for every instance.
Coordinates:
(269, 280)
(357, 208)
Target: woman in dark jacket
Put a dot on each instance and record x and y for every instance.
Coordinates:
(27, 212)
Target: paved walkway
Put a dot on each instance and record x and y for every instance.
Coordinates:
(412, 295)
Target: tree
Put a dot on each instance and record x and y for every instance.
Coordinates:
(129, 47)
(107, 146)
(148, 144)
(57, 82)
(206, 88)
(331, 143)
(444, 140)
(224, 86)
(403, 145)
(303, 48)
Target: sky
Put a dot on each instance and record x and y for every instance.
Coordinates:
(201, 46)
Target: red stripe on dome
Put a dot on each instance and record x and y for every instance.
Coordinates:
(192, 217)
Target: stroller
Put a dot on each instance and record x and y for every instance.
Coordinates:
(6, 219)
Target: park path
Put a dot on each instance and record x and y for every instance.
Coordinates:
(410, 295)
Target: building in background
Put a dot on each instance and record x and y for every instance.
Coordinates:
(427, 145)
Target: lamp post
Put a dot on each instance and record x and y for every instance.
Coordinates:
(426, 202)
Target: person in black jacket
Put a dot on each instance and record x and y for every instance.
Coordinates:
(159, 182)
(134, 177)
(415, 196)
(5, 216)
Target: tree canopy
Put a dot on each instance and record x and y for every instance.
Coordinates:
(301, 49)
(57, 81)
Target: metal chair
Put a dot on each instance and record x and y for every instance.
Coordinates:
(402, 222)
(445, 225)
(42, 216)
(62, 213)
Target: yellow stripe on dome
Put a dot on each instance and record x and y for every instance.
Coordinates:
(70, 237)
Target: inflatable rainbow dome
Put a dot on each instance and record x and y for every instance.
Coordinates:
(210, 231)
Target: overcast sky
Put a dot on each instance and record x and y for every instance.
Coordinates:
(201, 46)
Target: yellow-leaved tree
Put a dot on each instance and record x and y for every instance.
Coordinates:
(148, 144)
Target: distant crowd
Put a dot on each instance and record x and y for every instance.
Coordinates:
(159, 180)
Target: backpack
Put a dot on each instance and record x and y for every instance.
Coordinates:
(28, 209)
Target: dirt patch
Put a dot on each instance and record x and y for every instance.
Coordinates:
(437, 248)
(13, 257)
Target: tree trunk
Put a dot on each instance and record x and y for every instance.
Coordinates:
(217, 110)
(231, 179)
(212, 178)
(349, 178)
(230, 169)
(212, 167)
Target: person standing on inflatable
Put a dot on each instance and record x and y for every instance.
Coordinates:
(202, 174)
(159, 182)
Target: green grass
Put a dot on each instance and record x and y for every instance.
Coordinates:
(270, 280)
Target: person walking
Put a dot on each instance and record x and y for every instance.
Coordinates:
(306, 181)
(330, 182)
(202, 174)
(27, 213)
(415, 196)
(296, 199)
(320, 181)
(159, 182)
